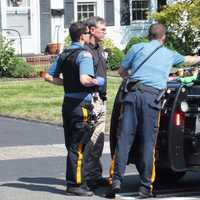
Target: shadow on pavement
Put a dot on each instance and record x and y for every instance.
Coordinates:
(45, 184)
(34, 184)
(33, 187)
(43, 180)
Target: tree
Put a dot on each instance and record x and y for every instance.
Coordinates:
(194, 11)
(183, 21)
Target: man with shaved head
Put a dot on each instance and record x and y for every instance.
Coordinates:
(157, 31)
(149, 65)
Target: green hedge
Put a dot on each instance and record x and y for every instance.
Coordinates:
(114, 58)
(177, 43)
(134, 40)
(115, 55)
(7, 55)
(20, 69)
(107, 43)
(10, 64)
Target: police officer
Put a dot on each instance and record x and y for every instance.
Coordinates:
(94, 149)
(76, 66)
(141, 106)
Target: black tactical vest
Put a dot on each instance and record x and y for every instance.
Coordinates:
(99, 62)
(71, 71)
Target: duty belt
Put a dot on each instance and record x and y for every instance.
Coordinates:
(136, 85)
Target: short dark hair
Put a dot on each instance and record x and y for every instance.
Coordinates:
(76, 30)
(94, 20)
(156, 31)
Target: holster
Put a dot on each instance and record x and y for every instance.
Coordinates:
(132, 85)
(88, 129)
(122, 90)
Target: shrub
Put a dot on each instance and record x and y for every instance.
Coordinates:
(115, 55)
(114, 58)
(181, 18)
(174, 42)
(67, 41)
(107, 43)
(7, 55)
(134, 40)
(20, 69)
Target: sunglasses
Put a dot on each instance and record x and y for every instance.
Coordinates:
(85, 33)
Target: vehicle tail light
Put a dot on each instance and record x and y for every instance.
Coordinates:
(178, 119)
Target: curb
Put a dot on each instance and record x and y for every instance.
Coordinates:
(31, 120)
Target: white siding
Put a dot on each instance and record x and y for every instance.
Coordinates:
(31, 43)
(119, 34)
(57, 23)
(122, 34)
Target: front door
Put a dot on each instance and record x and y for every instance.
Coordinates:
(20, 24)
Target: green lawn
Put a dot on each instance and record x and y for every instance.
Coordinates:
(39, 100)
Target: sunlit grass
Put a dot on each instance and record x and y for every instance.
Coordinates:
(39, 100)
(35, 99)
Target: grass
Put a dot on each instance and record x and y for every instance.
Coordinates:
(39, 100)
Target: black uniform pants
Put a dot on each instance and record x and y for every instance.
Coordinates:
(77, 130)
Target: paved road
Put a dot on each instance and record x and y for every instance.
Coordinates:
(32, 164)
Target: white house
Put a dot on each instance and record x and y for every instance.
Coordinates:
(32, 24)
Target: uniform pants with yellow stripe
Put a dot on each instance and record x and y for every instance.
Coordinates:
(77, 131)
(140, 115)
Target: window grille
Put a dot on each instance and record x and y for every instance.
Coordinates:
(139, 9)
(85, 10)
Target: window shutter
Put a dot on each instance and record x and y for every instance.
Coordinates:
(124, 12)
(109, 12)
(69, 12)
(45, 23)
(161, 3)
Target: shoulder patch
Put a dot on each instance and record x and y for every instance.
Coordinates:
(86, 54)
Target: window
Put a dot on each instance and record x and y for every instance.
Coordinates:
(18, 3)
(161, 4)
(139, 9)
(85, 10)
(18, 17)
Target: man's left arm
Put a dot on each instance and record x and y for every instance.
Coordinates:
(192, 60)
(185, 60)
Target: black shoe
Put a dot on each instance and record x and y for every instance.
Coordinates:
(110, 194)
(101, 182)
(115, 188)
(79, 191)
(145, 192)
(91, 184)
